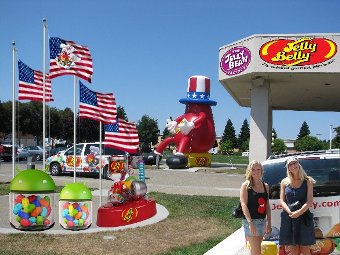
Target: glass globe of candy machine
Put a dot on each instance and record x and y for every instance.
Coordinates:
(31, 201)
(75, 207)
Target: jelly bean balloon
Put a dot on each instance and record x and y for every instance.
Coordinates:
(75, 205)
(74, 212)
(66, 205)
(49, 210)
(75, 222)
(78, 215)
(70, 209)
(17, 218)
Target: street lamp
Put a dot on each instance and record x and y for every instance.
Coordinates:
(318, 135)
(330, 136)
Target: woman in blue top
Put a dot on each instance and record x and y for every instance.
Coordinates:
(296, 196)
(255, 206)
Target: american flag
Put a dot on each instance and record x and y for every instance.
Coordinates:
(31, 84)
(123, 136)
(67, 57)
(97, 106)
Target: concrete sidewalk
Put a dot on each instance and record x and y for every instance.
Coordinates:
(5, 227)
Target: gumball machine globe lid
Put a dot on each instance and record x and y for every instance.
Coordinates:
(32, 181)
(75, 191)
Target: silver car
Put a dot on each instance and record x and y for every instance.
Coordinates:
(36, 152)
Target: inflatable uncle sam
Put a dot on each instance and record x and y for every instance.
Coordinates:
(194, 131)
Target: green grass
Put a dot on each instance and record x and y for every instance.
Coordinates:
(182, 208)
(230, 159)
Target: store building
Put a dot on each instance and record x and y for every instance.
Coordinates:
(280, 72)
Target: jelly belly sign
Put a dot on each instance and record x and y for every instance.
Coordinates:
(326, 212)
(301, 52)
(280, 53)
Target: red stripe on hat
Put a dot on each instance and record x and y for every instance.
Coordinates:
(193, 84)
(207, 85)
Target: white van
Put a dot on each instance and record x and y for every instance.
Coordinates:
(87, 159)
(324, 167)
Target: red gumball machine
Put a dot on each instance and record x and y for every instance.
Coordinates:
(127, 201)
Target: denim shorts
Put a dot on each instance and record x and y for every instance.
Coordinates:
(260, 225)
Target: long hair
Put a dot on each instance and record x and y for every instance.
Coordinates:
(301, 174)
(249, 171)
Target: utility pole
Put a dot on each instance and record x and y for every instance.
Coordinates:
(330, 136)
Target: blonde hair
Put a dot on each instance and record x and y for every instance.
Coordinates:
(301, 174)
(249, 171)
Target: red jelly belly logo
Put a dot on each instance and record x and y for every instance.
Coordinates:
(301, 52)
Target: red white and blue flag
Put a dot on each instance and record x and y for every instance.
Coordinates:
(97, 106)
(67, 57)
(123, 136)
(31, 84)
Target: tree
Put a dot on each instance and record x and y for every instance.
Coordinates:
(308, 143)
(304, 130)
(244, 134)
(336, 139)
(279, 146)
(226, 147)
(121, 113)
(66, 117)
(6, 118)
(229, 134)
(148, 132)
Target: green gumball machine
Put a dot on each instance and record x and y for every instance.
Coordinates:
(75, 207)
(31, 201)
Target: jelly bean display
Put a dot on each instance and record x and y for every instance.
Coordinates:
(75, 214)
(32, 210)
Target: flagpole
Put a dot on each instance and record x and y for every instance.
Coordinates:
(100, 164)
(44, 92)
(74, 129)
(13, 109)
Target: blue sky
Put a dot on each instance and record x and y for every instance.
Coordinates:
(145, 51)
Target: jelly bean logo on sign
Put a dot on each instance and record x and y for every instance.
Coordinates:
(301, 52)
(70, 161)
(235, 60)
(116, 166)
(202, 161)
(129, 214)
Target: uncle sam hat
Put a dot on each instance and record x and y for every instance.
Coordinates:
(198, 91)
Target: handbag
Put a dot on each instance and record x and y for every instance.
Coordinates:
(237, 212)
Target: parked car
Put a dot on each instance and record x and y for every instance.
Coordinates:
(324, 167)
(87, 159)
(245, 154)
(6, 154)
(54, 151)
(22, 154)
(36, 152)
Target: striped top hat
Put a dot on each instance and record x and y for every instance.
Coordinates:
(198, 91)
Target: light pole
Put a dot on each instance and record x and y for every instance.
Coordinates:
(330, 136)
(318, 135)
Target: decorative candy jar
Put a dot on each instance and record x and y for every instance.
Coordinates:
(75, 207)
(31, 201)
